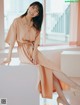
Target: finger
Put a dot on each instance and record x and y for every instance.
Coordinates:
(33, 62)
(2, 63)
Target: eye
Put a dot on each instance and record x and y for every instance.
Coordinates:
(33, 7)
(36, 10)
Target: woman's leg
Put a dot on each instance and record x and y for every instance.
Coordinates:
(60, 75)
(59, 90)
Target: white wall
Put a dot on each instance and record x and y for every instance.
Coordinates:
(70, 63)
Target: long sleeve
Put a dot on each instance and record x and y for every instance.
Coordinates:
(36, 44)
(12, 34)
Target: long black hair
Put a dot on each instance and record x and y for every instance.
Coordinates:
(37, 21)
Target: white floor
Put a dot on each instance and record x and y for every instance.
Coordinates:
(53, 101)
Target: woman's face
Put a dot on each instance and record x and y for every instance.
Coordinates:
(33, 11)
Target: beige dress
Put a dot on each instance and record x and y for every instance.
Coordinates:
(27, 39)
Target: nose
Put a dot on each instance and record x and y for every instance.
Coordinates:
(33, 10)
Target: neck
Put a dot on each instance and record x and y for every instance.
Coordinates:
(28, 18)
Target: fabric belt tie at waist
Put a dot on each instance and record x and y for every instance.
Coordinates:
(26, 42)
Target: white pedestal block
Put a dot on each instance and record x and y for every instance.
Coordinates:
(70, 63)
(18, 84)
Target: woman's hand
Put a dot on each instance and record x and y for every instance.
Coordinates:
(34, 57)
(6, 60)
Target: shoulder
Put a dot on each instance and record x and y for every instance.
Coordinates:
(16, 20)
(37, 31)
(37, 34)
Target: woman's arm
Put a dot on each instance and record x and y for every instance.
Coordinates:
(10, 39)
(10, 52)
(8, 58)
(36, 44)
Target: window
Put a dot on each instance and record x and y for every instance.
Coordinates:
(57, 21)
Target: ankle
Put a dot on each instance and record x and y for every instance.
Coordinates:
(62, 100)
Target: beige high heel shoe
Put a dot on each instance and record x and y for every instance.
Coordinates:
(60, 100)
(5, 62)
(75, 91)
(8, 63)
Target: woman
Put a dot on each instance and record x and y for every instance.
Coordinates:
(26, 31)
